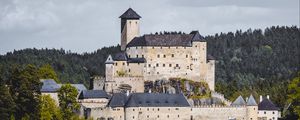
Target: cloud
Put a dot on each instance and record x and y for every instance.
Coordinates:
(86, 25)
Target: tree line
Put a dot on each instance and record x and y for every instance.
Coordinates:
(258, 62)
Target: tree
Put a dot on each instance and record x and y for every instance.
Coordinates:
(25, 86)
(67, 95)
(7, 105)
(47, 72)
(48, 109)
(294, 94)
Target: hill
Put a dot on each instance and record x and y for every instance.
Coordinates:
(253, 61)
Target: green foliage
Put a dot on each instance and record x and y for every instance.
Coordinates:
(294, 95)
(48, 109)
(121, 73)
(67, 95)
(47, 72)
(7, 105)
(69, 67)
(25, 86)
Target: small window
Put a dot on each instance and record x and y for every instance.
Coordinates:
(196, 46)
(128, 70)
(187, 56)
(164, 65)
(142, 56)
(133, 117)
(129, 56)
(157, 65)
(137, 56)
(164, 56)
(157, 109)
(116, 64)
(177, 65)
(265, 112)
(168, 116)
(158, 56)
(172, 55)
(147, 116)
(152, 47)
(178, 116)
(160, 47)
(149, 65)
(157, 72)
(136, 47)
(157, 116)
(123, 63)
(170, 65)
(132, 109)
(273, 112)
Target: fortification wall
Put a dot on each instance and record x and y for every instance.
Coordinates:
(157, 113)
(137, 84)
(219, 113)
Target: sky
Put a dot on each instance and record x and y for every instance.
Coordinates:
(87, 25)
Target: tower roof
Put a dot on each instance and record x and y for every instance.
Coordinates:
(130, 14)
(239, 101)
(251, 101)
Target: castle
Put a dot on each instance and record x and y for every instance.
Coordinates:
(154, 57)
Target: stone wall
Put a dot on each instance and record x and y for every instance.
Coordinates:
(137, 84)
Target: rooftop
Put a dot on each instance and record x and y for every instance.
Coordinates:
(92, 94)
(239, 101)
(166, 40)
(266, 104)
(148, 100)
(130, 14)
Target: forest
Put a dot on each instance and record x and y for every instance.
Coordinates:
(255, 61)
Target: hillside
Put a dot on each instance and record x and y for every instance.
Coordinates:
(254, 61)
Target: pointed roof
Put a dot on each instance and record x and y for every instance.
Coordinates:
(197, 37)
(130, 14)
(239, 101)
(109, 60)
(251, 101)
(267, 104)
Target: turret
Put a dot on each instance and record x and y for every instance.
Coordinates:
(129, 27)
(252, 108)
(109, 68)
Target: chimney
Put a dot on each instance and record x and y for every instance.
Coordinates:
(260, 98)
(268, 97)
(150, 91)
(127, 93)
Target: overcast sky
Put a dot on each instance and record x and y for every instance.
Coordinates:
(87, 25)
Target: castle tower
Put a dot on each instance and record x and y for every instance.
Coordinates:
(252, 108)
(129, 27)
(109, 68)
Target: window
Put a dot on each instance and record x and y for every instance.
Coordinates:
(129, 56)
(164, 65)
(273, 112)
(168, 116)
(116, 64)
(149, 65)
(178, 116)
(160, 47)
(177, 65)
(133, 117)
(152, 47)
(265, 112)
(157, 116)
(164, 56)
(157, 65)
(157, 109)
(172, 55)
(157, 72)
(128, 70)
(136, 47)
(137, 56)
(187, 56)
(132, 109)
(147, 109)
(158, 56)
(142, 56)
(170, 65)
(123, 63)
(176, 108)
(147, 116)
